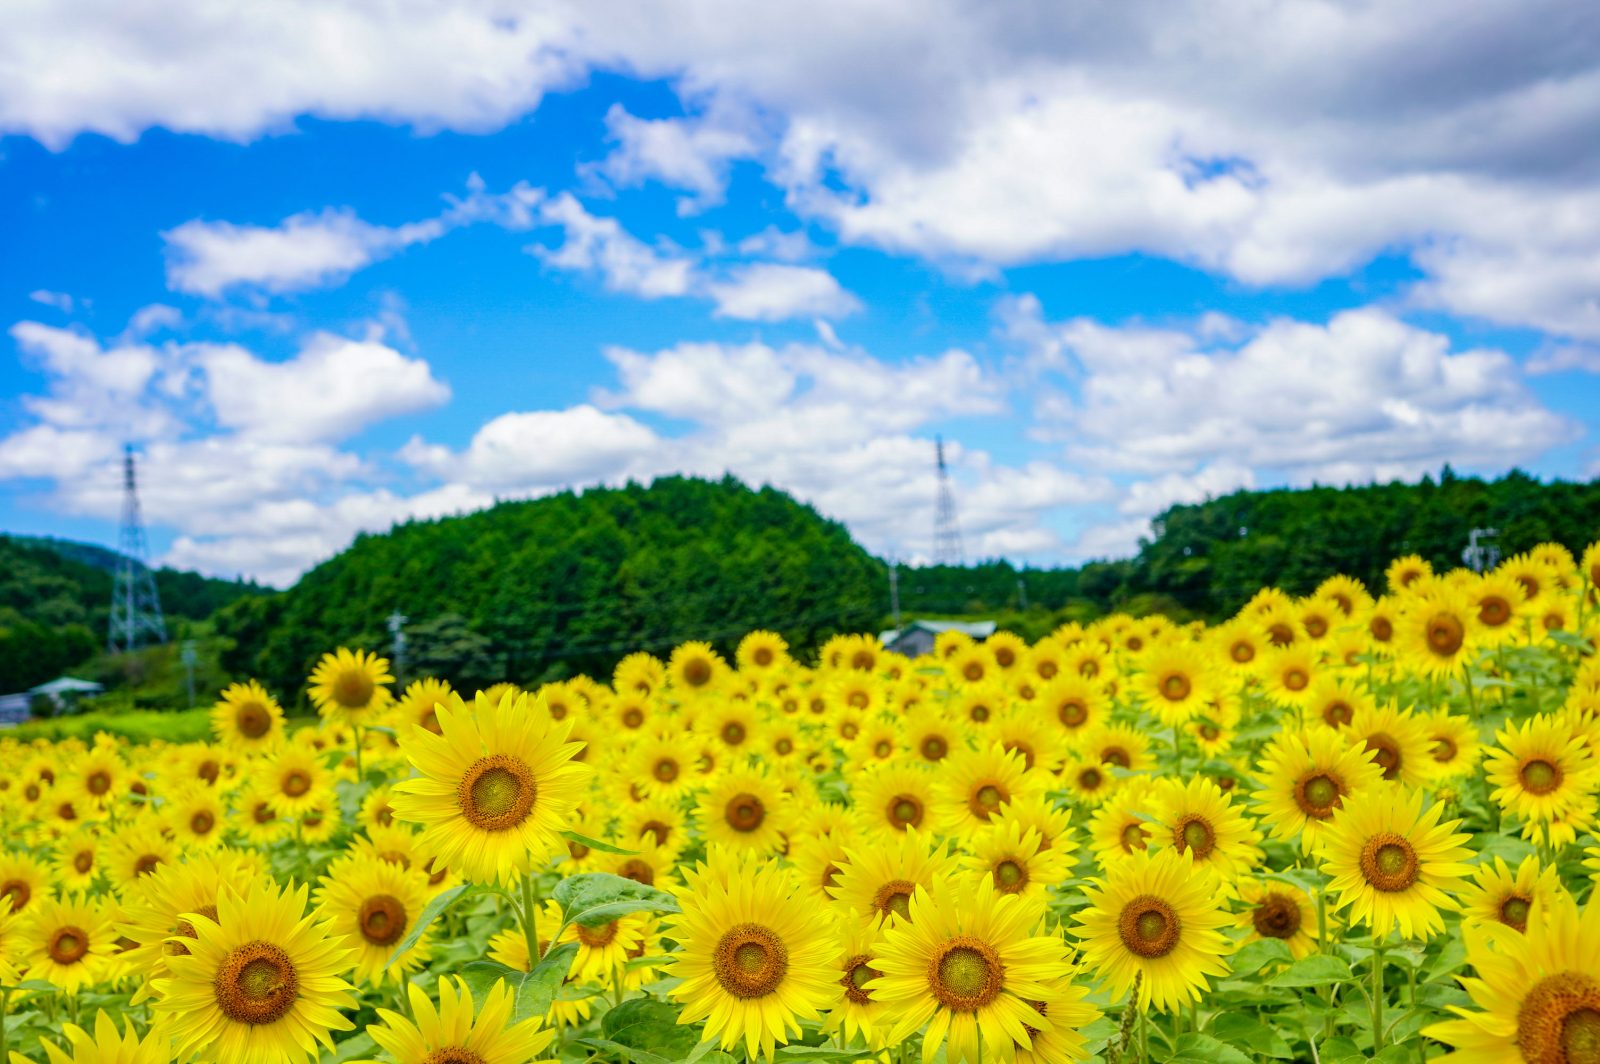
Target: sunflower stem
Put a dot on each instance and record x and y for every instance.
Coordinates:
(530, 921)
(5, 1011)
(360, 774)
(1377, 994)
(1322, 919)
(1472, 698)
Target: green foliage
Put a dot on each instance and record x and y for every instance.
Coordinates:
(540, 590)
(136, 726)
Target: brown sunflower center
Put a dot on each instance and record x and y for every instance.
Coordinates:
(1133, 837)
(1276, 916)
(905, 811)
(1514, 911)
(1072, 713)
(1382, 629)
(1090, 779)
(632, 717)
(986, 799)
(1280, 634)
(1195, 834)
(68, 944)
(1389, 862)
(146, 864)
(858, 972)
(1540, 776)
(665, 770)
(1316, 627)
(973, 671)
(1318, 794)
(1011, 876)
(894, 897)
(733, 733)
(1337, 713)
(597, 937)
(256, 984)
(1148, 926)
(252, 720)
(762, 656)
(82, 861)
(1175, 687)
(353, 689)
(453, 1055)
(965, 974)
(1295, 678)
(1445, 634)
(659, 830)
(1386, 752)
(882, 748)
(785, 746)
(1559, 1020)
(202, 821)
(934, 748)
(750, 961)
(697, 672)
(262, 813)
(497, 792)
(382, 919)
(638, 871)
(1493, 611)
(1242, 652)
(744, 812)
(99, 782)
(1444, 749)
(296, 783)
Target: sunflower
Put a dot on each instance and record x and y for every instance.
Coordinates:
(978, 704)
(1335, 702)
(107, 1045)
(1381, 622)
(259, 983)
(966, 966)
(1175, 682)
(297, 775)
(153, 909)
(1015, 858)
(66, 941)
(1215, 727)
(1500, 896)
(1275, 909)
(732, 724)
(756, 956)
(932, 736)
(894, 797)
(1307, 776)
(974, 784)
(1393, 863)
(1198, 819)
(1039, 813)
(348, 687)
(880, 741)
(1289, 675)
(1345, 592)
(136, 850)
(746, 810)
(1088, 782)
(95, 781)
(1008, 649)
(879, 879)
(762, 652)
(195, 816)
(419, 705)
(1455, 744)
(639, 673)
(247, 718)
(818, 860)
(1436, 636)
(494, 790)
(662, 766)
(1537, 994)
(1242, 644)
(373, 903)
(856, 1011)
(256, 819)
(650, 865)
(510, 948)
(1542, 769)
(1405, 571)
(1072, 701)
(1155, 916)
(1020, 731)
(76, 863)
(972, 665)
(452, 1034)
(1398, 741)
(655, 823)
(603, 951)
(1498, 605)
(694, 666)
(1120, 746)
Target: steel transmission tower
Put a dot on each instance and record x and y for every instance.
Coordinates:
(946, 535)
(135, 606)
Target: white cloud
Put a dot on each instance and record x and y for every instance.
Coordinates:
(601, 245)
(1212, 480)
(705, 382)
(684, 153)
(541, 450)
(331, 390)
(153, 318)
(768, 291)
(1565, 358)
(60, 300)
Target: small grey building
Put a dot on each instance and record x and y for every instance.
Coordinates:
(62, 695)
(916, 638)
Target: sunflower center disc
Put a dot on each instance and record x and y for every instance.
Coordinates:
(1133, 838)
(1276, 917)
(665, 770)
(934, 748)
(744, 812)
(1175, 688)
(883, 748)
(632, 717)
(596, 937)
(252, 720)
(986, 800)
(1195, 835)
(1090, 779)
(453, 1055)
(146, 864)
(1010, 876)
(1444, 750)
(639, 872)
(1382, 629)
(353, 689)
(1386, 752)
(382, 919)
(83, 861)
(256, 984)
(68, 945)
(1514, 912)
(1445, 634)
(905, 811)
(656, 829)
(1540, 776)
(1318, 796)
(296, 783)
(858, 972)
(202, 822)
(1389, 862)
(973, 672)
(98, 783)
(733, 733)
(784, 747)
(750, 961)
(1337, 713)
(895, 897)
(966, 974)
(1148, 926)
(1242, 652)
(697, 672)
(1559, 1020)
(496, 793)
(1494, 611)
(1073, 714)
(1296, 679)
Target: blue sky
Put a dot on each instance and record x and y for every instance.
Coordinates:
(501, 257)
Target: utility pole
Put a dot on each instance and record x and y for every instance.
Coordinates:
(1022, 594)
(946, 534)
(894, 591)
(397, 628)
(189, 657)
(135, 606)
(1482, 553)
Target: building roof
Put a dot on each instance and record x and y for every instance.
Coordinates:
(976, 629)
(68, 685)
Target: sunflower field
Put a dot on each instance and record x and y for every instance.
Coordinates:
(1333, 828)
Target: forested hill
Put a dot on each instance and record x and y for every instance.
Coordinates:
(571, 582)
(55, 601)
(1211, 557)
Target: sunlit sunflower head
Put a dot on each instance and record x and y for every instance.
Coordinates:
(1307, 776)
(494, 790)
(974, 785)
(1091, 659)
(967, 965)
(1118, 746)
(818, 861)
(1500, 895)
(746, 809)
(977, 705)
(107, 1044)
(1406, 571)
(136, 850)
(731, 724)
(256, 817)
(1074, 703)
(297, 776)
(196, 817)
(879, 876)
(1289, 675)
(1046, 661)
(894, 798)
(639, 673)
(77, 861)
(1009, 650)
(1498, 606)
(1541, 768)
(67, 941)
(1535, 996)
(1455, 746)
(1088, 781)
(1392, 863)
(1436, 634)
(1239, 646)
(762, 652)
(1215, 727)
(694, 666)
(633, 714)
(1398, 741)
(1039, 742)
(1348, 594)
(418, 706)
(453, 1034)
(1272, 908)
(755, 956)
(373, 903)
(247, 718)
(153, 910)
(933, 737)
(656, 822)
(1198, 819)
(348, 687)
(878, 742)
(1050, 820)
(1334, 702)
(95, 781)
(1014, 857)
(1158, 917)
(1381, 622)
(1318, 617)
(1548, 613)
(855, 1011)
(604, 950)
(1279, 625)
(972, 664)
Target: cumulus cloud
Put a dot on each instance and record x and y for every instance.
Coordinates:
(530, 451)
(770, 291)
(692, 154)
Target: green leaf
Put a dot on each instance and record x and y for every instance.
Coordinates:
(480, 977)
(1244, 1030)
(1319, 969)
(430, 912)
(1203, 1047)
(596, 844)
(596, 898)
(1257, 955)
(820, 1053)
(621, 1052)
(357, 1046)
(538, 987)
(647, 1023)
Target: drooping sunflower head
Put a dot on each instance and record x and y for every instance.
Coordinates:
(349, 687)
